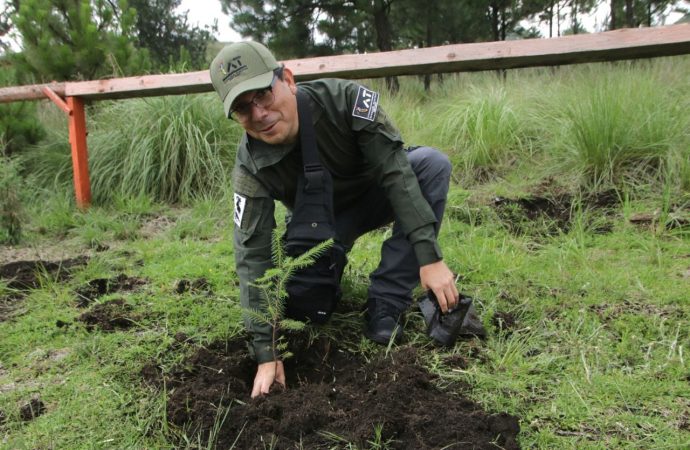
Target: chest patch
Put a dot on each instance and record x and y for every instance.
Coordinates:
(366, 105)
(240, 203)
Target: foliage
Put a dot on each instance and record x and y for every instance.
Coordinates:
(273, 286)
(79, 39)
(5, 23)
(633, 14)
(286, 26)
(290, 27)
(169, 38)
(301, 28)
(10, 202)
(19, 125)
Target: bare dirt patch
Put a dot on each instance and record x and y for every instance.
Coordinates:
(197, 286)
(31, 410)
(333, 398)
(549, 209)
(98, 287)
(22, 276)
(612, 311)
(109, 316)
(504, 321)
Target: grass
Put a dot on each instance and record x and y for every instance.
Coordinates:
(596, 356)
(172, 149)
(622, 126)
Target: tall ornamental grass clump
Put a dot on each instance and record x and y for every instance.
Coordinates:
(621, 127)
(482, 129)
(172, 149)
(410, 109)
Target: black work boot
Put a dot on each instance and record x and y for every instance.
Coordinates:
(382, 322)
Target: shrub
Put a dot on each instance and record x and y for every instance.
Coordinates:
(10, 203)
(19, 126)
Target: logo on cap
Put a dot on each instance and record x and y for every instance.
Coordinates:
(232, 69)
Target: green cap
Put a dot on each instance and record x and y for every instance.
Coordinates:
(241, 67)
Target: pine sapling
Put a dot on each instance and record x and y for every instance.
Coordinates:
(273, 286)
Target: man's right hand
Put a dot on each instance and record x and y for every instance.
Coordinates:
(267, 374)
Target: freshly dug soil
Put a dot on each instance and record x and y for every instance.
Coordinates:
(504, 321)
(98, 287)
(31, 410)
(22, 276)
(553, 209)
(333, 398)
(109, 316)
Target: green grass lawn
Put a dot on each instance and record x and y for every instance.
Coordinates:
(587, 345)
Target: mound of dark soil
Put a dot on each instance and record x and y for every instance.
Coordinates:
(98, 287)
(109, 316)
(504, 321)
(31, 410)
(22, 276)
(198, 286)
(553, 212)
(25, 275)
(332, 398)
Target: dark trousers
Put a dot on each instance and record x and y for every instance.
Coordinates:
(398, 271)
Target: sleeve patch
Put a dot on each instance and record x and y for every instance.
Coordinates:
(366, 104)
(240, 202)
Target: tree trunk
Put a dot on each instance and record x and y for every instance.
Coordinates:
(493, 17)
(558, 18)
(501, 19)
(612, 25)
(503, 23)
(573, 13)
(384, 37)
(429, 40)
(629, 13)
(649, 13)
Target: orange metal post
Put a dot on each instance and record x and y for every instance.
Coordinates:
(80, 160)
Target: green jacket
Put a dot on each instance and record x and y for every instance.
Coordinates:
(360, 147)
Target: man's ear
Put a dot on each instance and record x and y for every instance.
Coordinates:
(290, 80)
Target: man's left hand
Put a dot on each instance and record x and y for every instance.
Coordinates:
(439, 278)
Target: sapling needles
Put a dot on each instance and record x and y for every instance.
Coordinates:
(273, 286)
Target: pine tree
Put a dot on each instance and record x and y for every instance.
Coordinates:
(273, 286)
(77, 39)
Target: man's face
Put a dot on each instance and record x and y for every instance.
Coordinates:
(277, 123)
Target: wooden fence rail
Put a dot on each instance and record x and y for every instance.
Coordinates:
(606, 46)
